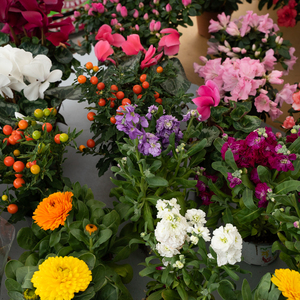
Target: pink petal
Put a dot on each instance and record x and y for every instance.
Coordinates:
(171, 50)
(170, 30)
(204, 101)
(102, 30)
(204, 112)
(103, 50)
(118, 40)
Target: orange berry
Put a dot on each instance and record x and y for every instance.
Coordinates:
(120, 95)
(94, 80)
(81, 147)
(158, 100)
(139, 96)
(112, 104)
(143, 77)
(91, 115)
(113, 120)
(156, 95)
(81, 79)
(126, 101)
(23, 124)
(89, 65)
(113, 88)
(145, 84)
(137, 89)
(159, 69)
(100, 86)
(101, 102)
(95, 68)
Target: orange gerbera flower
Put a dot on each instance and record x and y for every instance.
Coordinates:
(53, 211)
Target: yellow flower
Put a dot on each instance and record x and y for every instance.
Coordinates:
(30, 294)
(288, 282)
(58, 278)
(53, 211)
(90, 228)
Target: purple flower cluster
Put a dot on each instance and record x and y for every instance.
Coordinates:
(234, 179)
(165, 126)
(205, 194)
(149, 144)
(260, 147)
(261, 193)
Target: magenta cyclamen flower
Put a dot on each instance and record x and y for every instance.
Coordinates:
(169, 42)
(150, 59)
(209, 95)
(103, 50)
(133, 45)
(104, 33)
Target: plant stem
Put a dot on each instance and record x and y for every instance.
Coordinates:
(91, 245)
(274, 175)
(14, 35)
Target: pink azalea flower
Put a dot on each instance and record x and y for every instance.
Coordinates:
(292, 4)
(245, 27)
(168, 7)
(296, 101)
(286, 16)
(274, 111)
(150, 59)
(103, 50)
(98, 7)
(289, 122)
(154, 11)
(224, 19)
(169, 43)
(133, 45)
(214, 26)
(145, 17)
(208, 96)
(136, 13)
(269, 60)
(286, 94)
(273, 77)
(290, 62)
(186, 2)
(262, 103)
(104, 33)
(265, 24)
(232, 29)
(118, 7)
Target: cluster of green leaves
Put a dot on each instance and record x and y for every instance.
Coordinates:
(235, 119)
(100, 249)
(46, 153)
(239, 205)
(178, 16)
(148, 179)
(171, 85)
(198, 279)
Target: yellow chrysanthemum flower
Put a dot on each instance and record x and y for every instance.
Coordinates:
(58, 278)
(288, 282)
(53, 211)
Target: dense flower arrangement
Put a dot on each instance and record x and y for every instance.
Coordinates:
(287, 11)
(146, 19)
(31, 160)
(157, 161)
(247, 51)
(174, 241)
(139, 77)
(73, 250)
(259, 172)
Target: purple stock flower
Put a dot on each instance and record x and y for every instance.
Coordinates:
(149, 144)
(282, 162)
(201, 186)
(254, 140)
(233, 179)
(261, 191)
(254, 176)
(151, 110)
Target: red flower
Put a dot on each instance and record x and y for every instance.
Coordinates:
(286, 16)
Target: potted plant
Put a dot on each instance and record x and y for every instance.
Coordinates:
(134, 76)
(31, 160)
(255, 174)
(71, 249)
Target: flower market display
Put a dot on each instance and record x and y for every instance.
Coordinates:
(196, 178)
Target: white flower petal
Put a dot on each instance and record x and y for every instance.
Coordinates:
(31, 91)
(19, 116)
(34, 71)
(55, 75)
(43, 88)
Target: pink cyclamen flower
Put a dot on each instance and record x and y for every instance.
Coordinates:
(296, 101)
(150, 59)
(289, 122)
(133, 45)
(286, 16)
(103, 50)
(169, 43)
(124, 12)
(186, 2)
(104, 33)
(168, 7)
(136, 13)
(209, 95)
(90, 12)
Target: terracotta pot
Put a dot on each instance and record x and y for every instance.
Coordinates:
(258, 254)
(203, 22)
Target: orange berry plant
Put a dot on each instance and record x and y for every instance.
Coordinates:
(127, 83)
(31, 160)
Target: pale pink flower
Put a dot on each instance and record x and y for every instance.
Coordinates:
(289, 122)
(265, 24)
(245, 27)
(269, 60)
(145, 17)
(76, 13)
(118, 7)
(136, 13)
(154, 11)
(137, 28)
(290, 62)
(186, 2)
(296, 101)
(169, 42)
(286, 94)
(273, 77)
(141, 5)
(232, 29)
(262, 103)
(103, 50)
(214, 26)
(243, 51)
(133, 45)
(274, 111)
(224, 19)
(168, 7)
(212, 48)
(104, 33)
(209, 95)
(113, 22)
(150, 59)
(124, 12)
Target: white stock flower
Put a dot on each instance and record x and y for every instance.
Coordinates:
(178, 264)
(166, 250)
(203, 232)
(194, 240)
(227, 243)
(195, 216)
(167, 206)
(37, 72)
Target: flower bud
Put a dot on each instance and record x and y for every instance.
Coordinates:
(136, 13)
(264, 40)
(141, 5)
(236, 49)
(277, 39)
(280, 41)
(257, 53)
(168, 7)
(278, 134)
(146, 17)
(155, 12)
(243, 51)
(296, 224)
(137, 28)
(253, 47)
(227, 44)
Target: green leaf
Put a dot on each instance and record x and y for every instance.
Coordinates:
(246, 290)
(226, 290)
(11, 268)
(89, 259)
(26, 238)
(82, 212)
(246, 216)
(13, 285)
(229, 159)
(16, 295)
(287, 187)
(112, 221)
(54, 238)
(248, 199)
(79, 235)
(218, 143)
(264, 174)
(247, 124)
(182, 292)
(217, 113)
(88, 294)
(98, 275)
(147, 214)
(197, 147)
(108, 292)
(105, 234)
(262, 289)
(157, 181)
(4, 38)
(65, 92)
(170, 295)
(63, 55)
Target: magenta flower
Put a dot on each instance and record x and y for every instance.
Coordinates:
(150, 59)
(104, 33)
(118, 7)
(169, 43)
(133, 45)
(98, 7)
(136, 13)
(58, 37)
(209, 95)
(186, 2)
(103, 50)
(154, 26)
